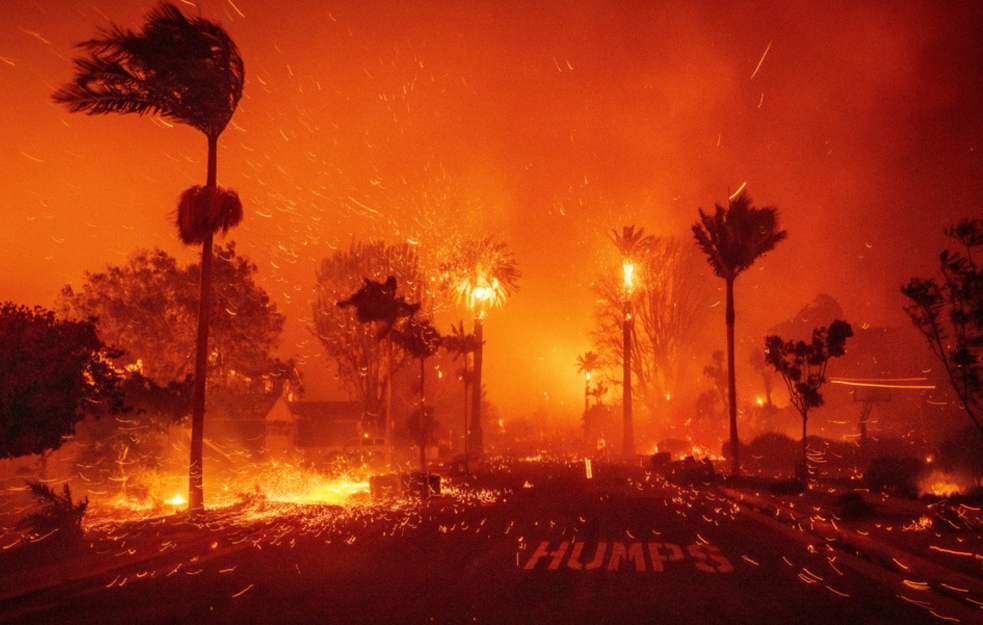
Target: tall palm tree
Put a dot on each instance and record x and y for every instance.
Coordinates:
(633, 245)
(732, 239)
(461, 343)
(587, 364)
(187, 70)
(479, 275)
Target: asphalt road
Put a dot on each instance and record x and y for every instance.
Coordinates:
(553, 548)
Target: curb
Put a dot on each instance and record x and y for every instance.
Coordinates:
(952, 584)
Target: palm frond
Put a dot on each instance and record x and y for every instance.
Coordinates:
(187, 70)
(734, 237)
(207, 210)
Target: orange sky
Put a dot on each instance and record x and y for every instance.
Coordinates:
(546, 123)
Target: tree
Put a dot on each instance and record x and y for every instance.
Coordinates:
(188, 71)
(761, 368)
(587, 364)
(462, 343)
(53, 372)
(421, 340)
(948, 310)
(479, 275)
(633, 246)
(147, 306)
(732, 239)
(362, 360)
(377, 302)
(803, 365)
(672, 300)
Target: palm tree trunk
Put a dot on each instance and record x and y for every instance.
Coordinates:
(196, 494)
(628, 445)
(389, 402)
(735, 444)
(466, 468)
(423, 429)
(477, 438)
(805, 455)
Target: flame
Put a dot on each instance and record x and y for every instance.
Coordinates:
(629, 271)
(176, 500)
(942, 484)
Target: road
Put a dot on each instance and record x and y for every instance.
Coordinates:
(553, 547)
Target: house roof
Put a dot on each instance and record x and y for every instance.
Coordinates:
(320, 423)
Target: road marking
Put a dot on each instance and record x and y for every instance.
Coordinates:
(703, 557)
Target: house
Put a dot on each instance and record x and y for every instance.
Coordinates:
(311, 430)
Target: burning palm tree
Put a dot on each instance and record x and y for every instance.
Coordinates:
(479, 275)
(587, 364)
(632, 244)
(732, 239)
(187, 70)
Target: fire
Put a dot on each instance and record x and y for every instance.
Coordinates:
(629, 269)
(942, 484)
(177, 500)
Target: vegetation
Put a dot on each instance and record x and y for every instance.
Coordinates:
(363, 363)
(732, 239)
(148, 306)
(53, 372)
(187, 70)
(670, 302)
(59, 514)
(948, 310)
(479, 275)
(802, 366)
(420, 340)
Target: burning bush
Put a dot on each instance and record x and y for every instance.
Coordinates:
(59, 517)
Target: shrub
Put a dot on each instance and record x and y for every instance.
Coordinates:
(58, 513)
(852, 505)
(895, 475)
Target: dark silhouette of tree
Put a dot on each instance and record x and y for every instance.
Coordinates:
(732, 239)
(948, 310)
(587, 364)
(717, 373)
(361, 357)
(633, 245)
(187, 70)
(53, 372)
(802, 366)
(421, 340)
(377, 302)
(460, 343)
(478, 275)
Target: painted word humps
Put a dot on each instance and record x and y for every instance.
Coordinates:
(636, 556)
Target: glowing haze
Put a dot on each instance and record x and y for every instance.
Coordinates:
(548, 124)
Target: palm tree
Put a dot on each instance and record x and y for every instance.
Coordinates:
(732, 239)
(587, 364)
(377, 302)
(187, 70)
(633, 245)
(479, 275)
(421, 340)
(460, 343)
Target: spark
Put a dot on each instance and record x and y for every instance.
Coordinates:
(739, 189)
(768, 47)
